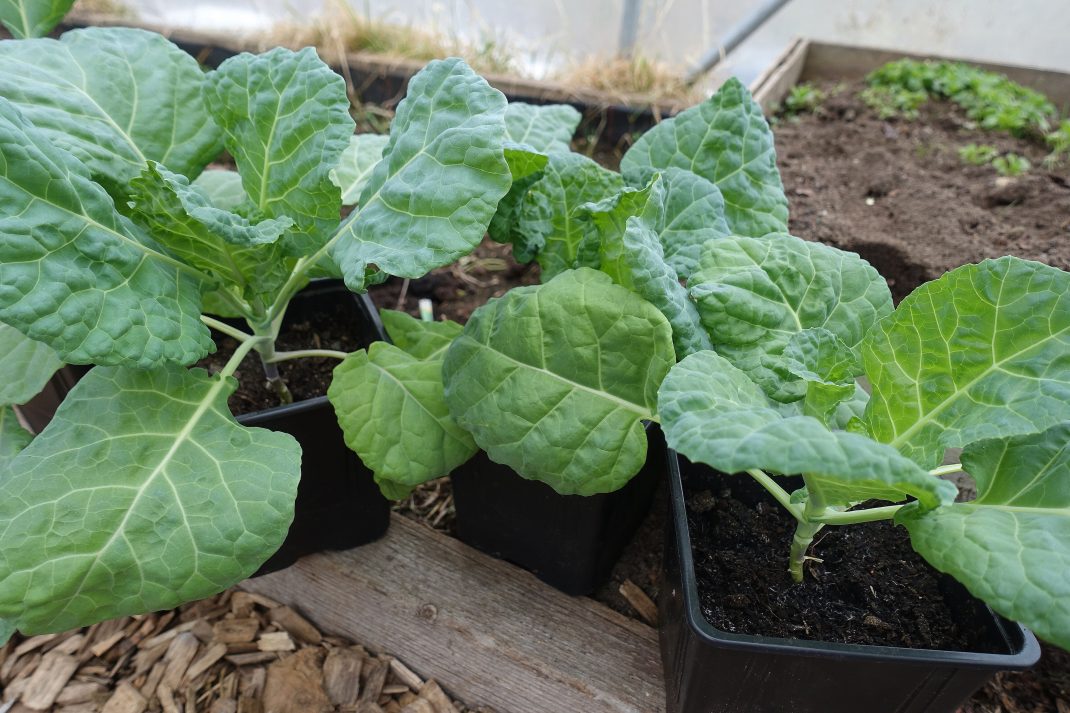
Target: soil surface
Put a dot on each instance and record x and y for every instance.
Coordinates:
(865, 586)
(896, 191)
(334, 326)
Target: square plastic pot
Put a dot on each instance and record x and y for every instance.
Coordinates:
(569, 541)
(338, 505)
(712, 671)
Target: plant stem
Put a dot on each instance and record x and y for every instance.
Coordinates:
(800, 544)
(805, 532)
(777, 492)
(266, 349)
(226, 329)
(947, 469)
(852, 517)
(303, 353)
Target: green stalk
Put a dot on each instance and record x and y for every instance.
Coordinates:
(808, 527)
(265, 347)
(853, 517)
(240, 353)
(304, 353)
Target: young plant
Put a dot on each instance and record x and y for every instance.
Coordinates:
(1011, 164)
(593, 347)
(978, 359)
(144, 492)
(803, 98)
(978, 154)
(991, 99)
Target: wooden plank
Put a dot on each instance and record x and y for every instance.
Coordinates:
(770, 88)
(487, 631)
(810, 60)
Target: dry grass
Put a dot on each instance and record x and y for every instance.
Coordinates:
(111, 8)
(636, 79)
(340, 29)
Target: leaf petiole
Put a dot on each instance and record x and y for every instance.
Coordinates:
(226, 329)
(782, 496)
(305, 353)
(947, 469)
(852, 517)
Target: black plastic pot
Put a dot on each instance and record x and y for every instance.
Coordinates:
(569, 541)
(338, 506)
(712, 671)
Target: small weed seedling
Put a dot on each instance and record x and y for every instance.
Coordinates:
(978, 154)
(1011, 164)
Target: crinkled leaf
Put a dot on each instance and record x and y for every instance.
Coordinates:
(655, 281)
(430, 199)
(241, 253)
(423, 340)
(1011, 545)
(77, 275)
(285, 118)
(555, 380)
(727, 141)
(142, 493)
(827, 365)
(549, 223)
(25, 19)
(694, 215)
(392, 411)
(115, 98)
(982, 352)
(13, 438)
(525, 166)
(25, 366)
(609, 217)
(754, 294)
(223, 188)
(714, 414)
(355, 167)
(543, 128)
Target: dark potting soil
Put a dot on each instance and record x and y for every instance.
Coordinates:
(333, 328)
(896, 192)
(865, 586)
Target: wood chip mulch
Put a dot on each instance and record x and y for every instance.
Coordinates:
(235, 653)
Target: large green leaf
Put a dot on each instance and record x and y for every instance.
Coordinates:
(26, 19)
(77, 275)
(694, 215)
(115, 98)
(727, 141)
(754, 294)
(25, 366)
(543, 128)
(1011, 545)
(285, 116)
(712, 413)
(982, 352)
(549, 222)
(423, 340)
(142, 493)
(430, 199)
(555, 380)
(391, 409)
(13, 438)
(355, 167)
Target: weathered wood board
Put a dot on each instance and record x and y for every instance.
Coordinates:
(489, 632)
(808, 60)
